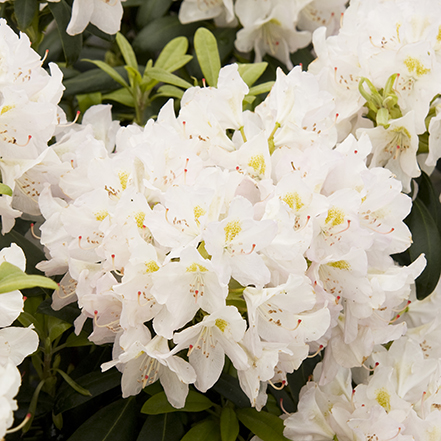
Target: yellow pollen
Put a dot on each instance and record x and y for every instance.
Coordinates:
(195, 267)
(340, 264)
(100, 215)
(6, 109)
(232, 229)
(397, 28)
(293, 200)
(383, 398)
(198, 211)
(257, 162)
(221, 324)
(139, 217)
(123, 178)
(336, 216)
(151, 267)
(438, 37)
(415, 65)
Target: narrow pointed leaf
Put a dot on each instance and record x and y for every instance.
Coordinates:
(163, 76)
(158, 404)
(170, 91)
(109, 71)
(229, 425)
(266, 426)
(122, 96)
(126, 51)
(250, 73)
(261, 88)
(73, 384)
(207, 430)
(205, 45)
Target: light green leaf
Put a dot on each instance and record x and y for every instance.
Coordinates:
(122, 96)
(205, 45)
(12, 278)
(87, 100)
(4, 189)
(261, 88)
(163, 76)
(110, 71)
(170, 91)
(73, 384)
(158, 404)
(207, 430)
(229, 425)
(250, 73)
(173, 56)
(126, 51)
(266, 426)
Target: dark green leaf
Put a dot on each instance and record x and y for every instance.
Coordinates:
(158, 404)
(266, 426)
(68, 314)
(95, 382)
(207, 430)
(166, 427)
(75, 386)
(303, 56)
(56, 327)
(426, 239)
(151, 10)
(225, 42)
(25, 11)
(74, 341)
(205, 45)
(72, 45)
(229, 426)
(250, 73)
(94, 80)
(157, 34)
(229, 388)
(430, 198)
(115, 422)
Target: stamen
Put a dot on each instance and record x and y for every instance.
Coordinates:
(277, 387)
(399, 431)
(381, 232)
(281, 407)
(370, 369)
(73, 122)
(316, 352)
(33, 232)
(204, 84)
(119, 273)
(423, 397)
(25, 144)
(21, 425)
(84, 248)
(345, 229)
(46, 53)
(107, 325)
(403, 309)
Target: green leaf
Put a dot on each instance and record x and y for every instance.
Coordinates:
(73, 384)
(261, 88)
(25, 11)
(126, 51)
(166, 427)
(170, 58)
(158, 404)
(72, 45)
(205, 45)
(113, 73)
(134, 75)
(229, 426)
(151, 10)
(95, 382)
(266, 426)
(115, 422)
(87, 100)
(158, 33)
(229, 388)
(68, 313)
(163, 76)
(430, 198)
(4, 189)
(170, 91)
(12, 278)
(250, 73)
(75, 341)
(207, 430)
(426, 239)
(122, 96)
(56, 327)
